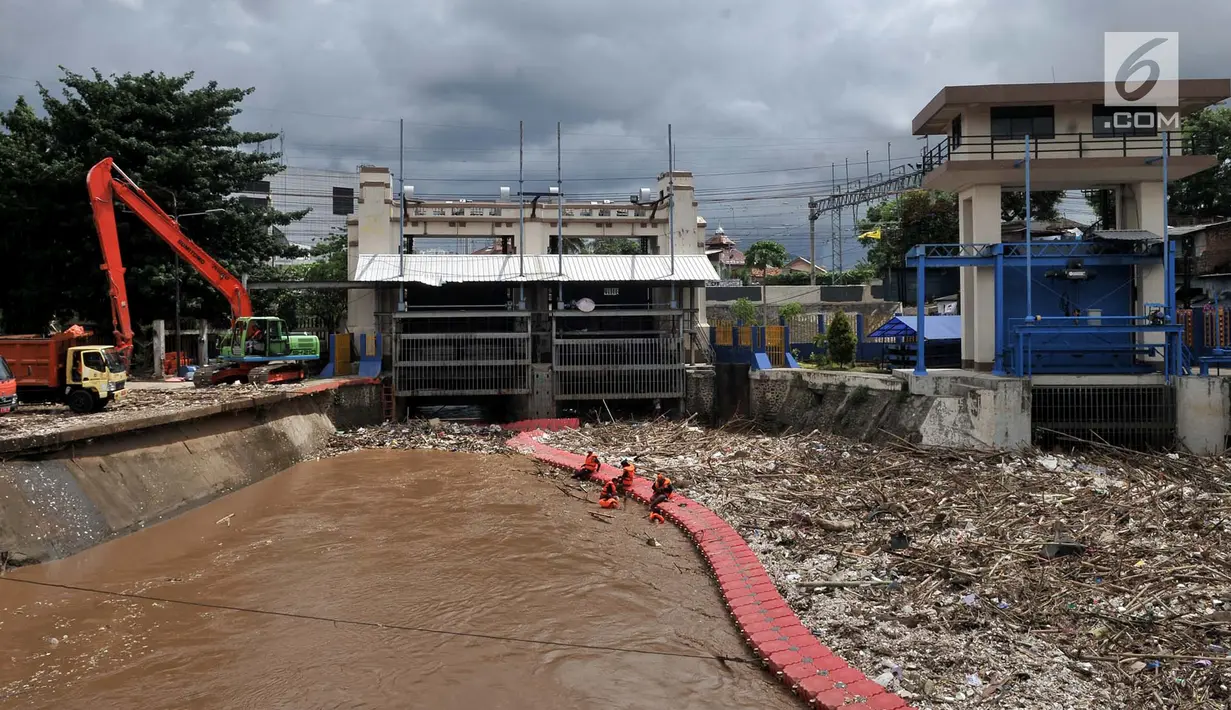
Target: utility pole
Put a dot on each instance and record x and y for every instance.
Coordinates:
(812, 215)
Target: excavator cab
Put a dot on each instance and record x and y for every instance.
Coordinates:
(263, 338)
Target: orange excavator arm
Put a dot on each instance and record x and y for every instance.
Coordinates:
(106, 183)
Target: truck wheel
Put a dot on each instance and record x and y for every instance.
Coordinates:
(81, 401)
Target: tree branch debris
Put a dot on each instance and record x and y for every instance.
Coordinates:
(1100, 579)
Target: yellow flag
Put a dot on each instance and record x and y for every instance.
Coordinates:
(874, 234)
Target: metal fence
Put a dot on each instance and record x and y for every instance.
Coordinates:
(1134, 417)
(462, 354)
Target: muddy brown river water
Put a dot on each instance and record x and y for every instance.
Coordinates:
(429, 541)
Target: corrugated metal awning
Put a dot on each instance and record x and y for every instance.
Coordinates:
(1126, 235)
(437, 269)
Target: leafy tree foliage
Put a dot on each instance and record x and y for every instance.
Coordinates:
(1208, 193)
(840, 340)
(178, 144)
(744, 311)
(790, 310)
(912, 218)
(763, 255)
(616, 246)
(1043, 205)
(296, 306)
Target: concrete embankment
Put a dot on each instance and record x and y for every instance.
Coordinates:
(66, 491)
(945, 409)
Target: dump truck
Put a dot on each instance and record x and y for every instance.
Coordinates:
(62, 368)
(8, 388)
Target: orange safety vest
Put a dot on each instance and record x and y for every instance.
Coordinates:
(626, 481)
(609, 490)
(591, 463)
(662, 484)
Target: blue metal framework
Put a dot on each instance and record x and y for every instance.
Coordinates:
(1091, 253)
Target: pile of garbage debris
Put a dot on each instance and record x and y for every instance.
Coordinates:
(1100, 579)
(138, 401)
(423, 434)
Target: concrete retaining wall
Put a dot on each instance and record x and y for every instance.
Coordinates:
(875, 407)
(54, 504)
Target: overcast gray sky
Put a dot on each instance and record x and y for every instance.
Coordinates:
(763, 96)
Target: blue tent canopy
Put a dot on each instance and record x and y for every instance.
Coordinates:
(934, 328)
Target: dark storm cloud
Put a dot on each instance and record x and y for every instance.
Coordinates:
(757, 89)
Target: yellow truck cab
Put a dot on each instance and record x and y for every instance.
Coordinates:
(56, 368)
(97, 370)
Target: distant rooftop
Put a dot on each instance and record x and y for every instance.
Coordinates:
(435, 270)
(934, 119)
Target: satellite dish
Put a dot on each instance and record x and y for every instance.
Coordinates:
(585, 305)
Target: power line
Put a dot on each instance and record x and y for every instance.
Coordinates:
(376, 625)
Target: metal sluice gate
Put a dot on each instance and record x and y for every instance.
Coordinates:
(1137, 417)
(462, 354)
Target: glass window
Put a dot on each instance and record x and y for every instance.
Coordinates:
(343, 200)
(5, 372)
(93, 360)
(1017, 122)
(955, 137)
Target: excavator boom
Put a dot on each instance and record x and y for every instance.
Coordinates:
(106, 183)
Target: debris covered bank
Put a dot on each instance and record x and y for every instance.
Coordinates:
(1006, 581)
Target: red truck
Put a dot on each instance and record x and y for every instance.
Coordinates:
(62, 368)
(8, 388)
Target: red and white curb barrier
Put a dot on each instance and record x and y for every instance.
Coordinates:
(785, 646)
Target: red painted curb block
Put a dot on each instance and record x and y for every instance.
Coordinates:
(768, 624)
(543, 424)
(335, 383)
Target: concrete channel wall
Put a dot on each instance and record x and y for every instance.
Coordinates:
(935, 411)
(62, 493)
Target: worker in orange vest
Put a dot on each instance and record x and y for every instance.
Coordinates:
(610, 497)
(589, 468)
(662, 489)
(628, 473)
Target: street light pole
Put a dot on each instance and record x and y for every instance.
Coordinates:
(178, 338)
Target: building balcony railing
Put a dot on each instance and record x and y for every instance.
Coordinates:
(1060, 145)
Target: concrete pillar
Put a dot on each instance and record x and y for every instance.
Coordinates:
(979, 223)
(689, 237)
(373, 230)
(1140, 206)
(1203, 414)
(202, 343)
(160, 346)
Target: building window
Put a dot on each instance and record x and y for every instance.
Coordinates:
(256, 203)
(955, 135)
(343, 200)
(1017, 122)
(1113, 121)
(260, 186)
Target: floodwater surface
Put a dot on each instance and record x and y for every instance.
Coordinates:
(442, 557)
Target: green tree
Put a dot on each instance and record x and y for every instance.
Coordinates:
(177, 143)
(1044, 205)
(743, 311)
(860, 273)
(763, 255)
(1207, 194)
(293, 305)
(840, 340)
(616, 246)
(790, 310)
(912, 218)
